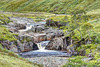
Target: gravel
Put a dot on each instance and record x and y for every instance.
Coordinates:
(49, 61)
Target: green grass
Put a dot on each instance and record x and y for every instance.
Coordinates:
(5, 34)
(7, 61)
(4, 19)
(78, 62)
(54, 6)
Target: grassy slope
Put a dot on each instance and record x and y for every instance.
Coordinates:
(8, 61)
(3, 3)
(55, 6)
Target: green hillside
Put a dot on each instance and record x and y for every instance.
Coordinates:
(55, 6)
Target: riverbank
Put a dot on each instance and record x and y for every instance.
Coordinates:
(49, 61)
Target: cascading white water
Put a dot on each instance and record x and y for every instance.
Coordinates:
(28, 27)
(42, 51)
(42, 45)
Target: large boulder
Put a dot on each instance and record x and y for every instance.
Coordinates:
(55, 32)
(13, 48)
(36, 29)
(27, 46)
(57, 44)
(14, 27)
(25, 43)
(9, 45)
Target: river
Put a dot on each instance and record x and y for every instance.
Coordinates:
(48, 58)
(42, 51)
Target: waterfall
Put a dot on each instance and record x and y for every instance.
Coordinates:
(42, 45)
(28, 27)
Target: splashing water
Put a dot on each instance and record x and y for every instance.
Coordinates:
(28, 27)
(42, 45)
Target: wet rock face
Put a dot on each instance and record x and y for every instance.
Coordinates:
(26, 46)
(57, 44)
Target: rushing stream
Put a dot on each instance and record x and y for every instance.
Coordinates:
(30, 24)
(42, 51)
(48, 58)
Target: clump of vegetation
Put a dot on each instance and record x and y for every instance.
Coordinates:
(4, 19)
(6, 35)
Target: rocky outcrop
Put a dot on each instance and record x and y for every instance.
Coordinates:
(26, 46)
(48, 34)
(50, 22)
(54, 32)
(9, 45)
(23, 44)
(36, 29)
(57, 44)
(14, 27)
(71, 49)
(26, 43)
